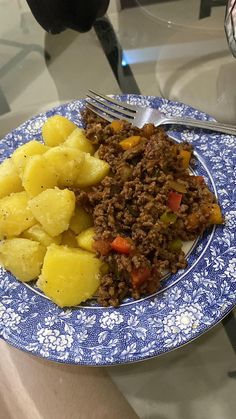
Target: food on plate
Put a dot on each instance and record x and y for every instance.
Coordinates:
(92, 171)
(15, 215)
(77, 139)
(103, 211)
(215, 215)
(38, 176)
(53, 209)
(38, 234)
(9, 179)
(66, 163)
(38, 209)
(56, 130)
(186, 157)
(69, 276)
(85, 239)
(22, 257)
(22, 154)
(147, 207)
(69, 239)
(81, 220)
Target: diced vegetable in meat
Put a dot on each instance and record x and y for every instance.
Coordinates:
(139, 276)
(121, 245)
(174, 201)
(130, 142)
(186, 156)
(168, 217)
(117, 125)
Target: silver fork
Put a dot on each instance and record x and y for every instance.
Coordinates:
(110, 109)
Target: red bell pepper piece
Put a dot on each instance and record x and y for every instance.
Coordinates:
(174, 201)
(139, 276)
(121, 245)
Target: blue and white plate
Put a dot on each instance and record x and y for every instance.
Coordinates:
(189, 303)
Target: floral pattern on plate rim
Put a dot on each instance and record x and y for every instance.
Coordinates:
(194, 301)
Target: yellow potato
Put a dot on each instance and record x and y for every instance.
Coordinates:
(96, 154)
(24, 152)
(85, 239)
(77, 139)
(9, 179)
(22, 257)
(66, 162)
(15, 216)
(92, 171)
(38, 176)
(53, 209)
(69, 239)
(69, 276)
(56, 129)
(80, 220)
(37, 233)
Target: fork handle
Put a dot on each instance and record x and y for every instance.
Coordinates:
(213, 126)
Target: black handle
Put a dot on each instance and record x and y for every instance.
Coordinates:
(57, 15)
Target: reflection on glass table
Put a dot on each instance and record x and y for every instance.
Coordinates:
(177, 55)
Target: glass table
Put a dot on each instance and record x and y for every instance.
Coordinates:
(171, 48)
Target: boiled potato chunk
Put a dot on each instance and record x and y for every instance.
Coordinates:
(80, 220)
(24, 152)
(96, 154)
(9, 179)
(38, 176)
(56, 129)
(53, 209)
(69, 276)
(69, 239)
(37, 233)
(85, 239)
(15, 216)
(66, 162)
(77, 139)
(92, 171)
(22, 257)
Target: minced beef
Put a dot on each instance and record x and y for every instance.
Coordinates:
(131, 203)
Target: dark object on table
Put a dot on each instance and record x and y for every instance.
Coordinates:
(57, 15)
(230, 25)
(207, 5)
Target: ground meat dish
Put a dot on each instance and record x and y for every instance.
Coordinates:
(143, 211)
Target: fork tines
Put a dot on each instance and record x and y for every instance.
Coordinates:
(109, 108)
